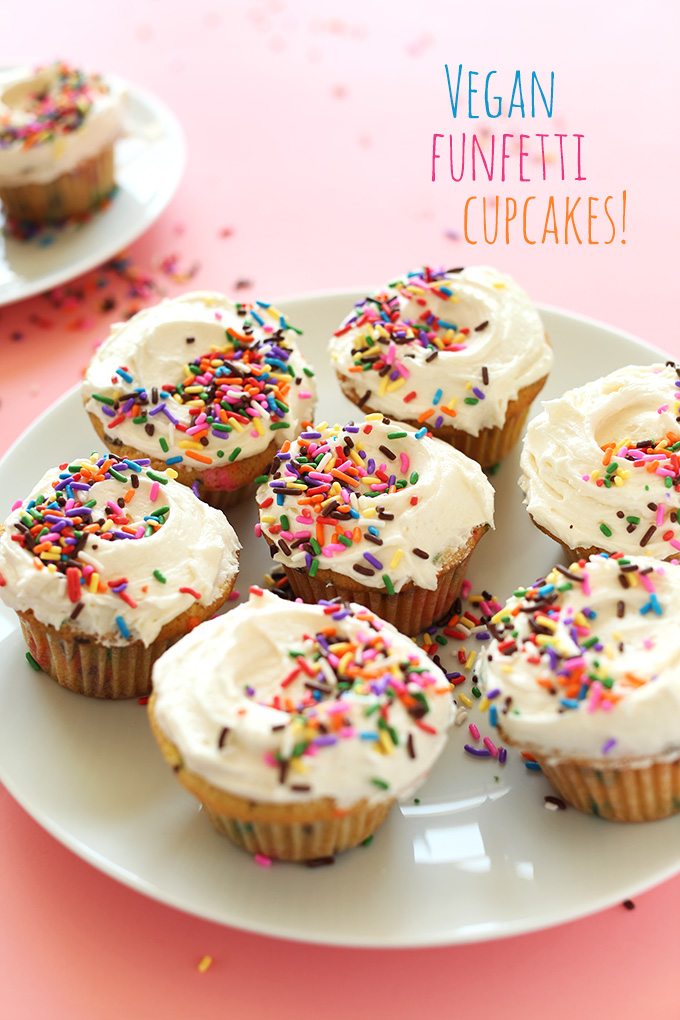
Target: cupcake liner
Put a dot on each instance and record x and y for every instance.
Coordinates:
(71, 194)
(87, 666)
(410, 610)
(302, 841)
(491, 444)
(623, 793)
(221, 487)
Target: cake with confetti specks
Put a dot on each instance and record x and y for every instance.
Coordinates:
(583, 675)
(204, 385)
(462, 351)
(107, 563)
(58, 126)
(298, 726)
(601, 471)
(375, 512)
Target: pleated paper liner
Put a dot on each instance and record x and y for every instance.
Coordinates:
(86, 665)
(287, 832)
(71, 194)
(410, 610)
(623, 792)
(487, 448)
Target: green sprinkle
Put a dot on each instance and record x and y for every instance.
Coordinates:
(313, 568)
(220, 453)
(565, 587)
(117, 475)
(219, 427)
(103, 400)
(372, 709)
(159, 577)
(387, 581)
(32, 663)
(280, 425)
(163, 510)
(493, 470)
(234, 453)
(440, 639)
(606, 530)
(308, 372)
(90, 502)
(315, 546)
(612, 467)
(476, 691)
(381, 784)
(367, 841)
(471, 400)
(285, 523)
(414, 477)
(590, 642)
(141, 419)
(416, 800)
(396, 435)
(631, 520)
(260, 479)
(164, 444)
(668, 482)
(345, 541)
(155, 477)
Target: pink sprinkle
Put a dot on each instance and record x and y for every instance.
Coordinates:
(490, 746)
(474, 731)
(664, 407)
(585, 478)
(674, 542)
(660, 511)
(270, 760)
(645, 581)
(153, 494)
(595, 696)
(258, 530)
(304, 395)
(466, 588)
(233, 595)
(18, 503)
(264, 862)
(586, 584)
(404, 463)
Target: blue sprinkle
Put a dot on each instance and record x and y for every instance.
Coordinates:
(569, 702)
(532, 765)
(421, 432)
(257, 317)
(493, 715)
(437, 397)
(174, 460)
(122, 627)
(124, 375)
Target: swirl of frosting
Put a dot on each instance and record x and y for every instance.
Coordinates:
(600, 464)
(200, 380)
(377, 501)
(114, 548)
(54, 120)
(287, 702)
(586, 664)
(446, 347)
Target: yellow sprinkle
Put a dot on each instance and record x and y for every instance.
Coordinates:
(385, 742)
(258, 426)
(427, 640)
(609, 651)
(324, 425)
(369, 511)
(204, 964)
(94, 582)
(483, 704)
(632, 580)
(545, 621)
(236, 424)
(107, 525)
(470, 659)
(52, 568)
(396, 559)
(594, 475)
(268, 518)
(452, 403)
(580, 620)
(618, 481)
(395, 385)
(468, 385)
(376, 416)
(383, 386)
(466, 701)
(499, 285)
(344, 662)
(189, 444)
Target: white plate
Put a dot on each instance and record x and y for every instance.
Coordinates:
(149, 164)
(477, 858)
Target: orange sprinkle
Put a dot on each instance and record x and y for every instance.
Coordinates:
(425, 415)
(198, 456)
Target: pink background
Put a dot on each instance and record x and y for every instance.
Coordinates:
(309, 131)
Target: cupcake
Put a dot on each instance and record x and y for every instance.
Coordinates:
(107, 563)
(600, 464)
(376, 513)
(208, 386)
(462, 351)
(297, 726)
(58, 127)
(583, 674)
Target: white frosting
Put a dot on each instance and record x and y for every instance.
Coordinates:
(562, 459)
(195, 548)
(55, 153)
(452, 498)
(227, 673)
(153, 350)
(644, 719)
(511, 347)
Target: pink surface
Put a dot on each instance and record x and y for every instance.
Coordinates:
(310, 138)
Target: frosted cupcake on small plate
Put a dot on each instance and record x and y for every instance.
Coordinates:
(462, 351)
(298, 726)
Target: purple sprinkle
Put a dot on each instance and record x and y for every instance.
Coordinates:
(502, 755)
(478, 393)
(494, 693)
(439, 422)
(175, 421)
(476, 751)
(373, 561)
(158, 408)
(325, 740)
(109, 411)
(606, 747)
(250, 691)
(483, 636)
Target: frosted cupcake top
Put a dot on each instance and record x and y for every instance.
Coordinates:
(378, 501)
(600, 464)
(53, 120)
(286, 702)
(115, 549)
(586, 663)
(445, 347)
(201, 380)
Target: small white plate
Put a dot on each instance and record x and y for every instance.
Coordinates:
(478, 857)
(149, 164)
